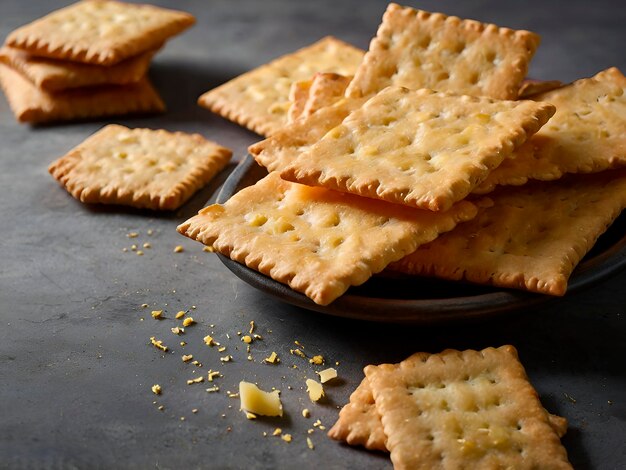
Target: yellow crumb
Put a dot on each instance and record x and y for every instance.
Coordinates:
(250, 415)
(277, 432)
(180, 314)
(188, 321)
(246, 339)
(139, 253)
(222, 349)
(286, 437)
(144, 305)
(133, 247)
(232, 394)
(272, 359)
(156, 389)
(196, 380)
(306, 413)
(183, 343)
(213, 389)
(317, 360)
(157, 314)
(187, 357)
(150, 232)
(132, 235)
(208, 249)
(251, 327)
(177, 330)
(147, 245)
(197, 364)
(315, 389)
(297, 343)
(158, 344)
(226, 358)
(194, 411)
(297, 352)
(212, 374)
(309, 443)
(208, 340)
(178, 249)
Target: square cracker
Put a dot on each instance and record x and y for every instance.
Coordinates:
(101, 32)
(531, 238)
(359, 422)
(319, 242)
(417, 49)
(35, 106)
(259, 99)
(420, 148)
(56, 75)
(325, 89)
(587, 134)
(464, 409)
(144, 168)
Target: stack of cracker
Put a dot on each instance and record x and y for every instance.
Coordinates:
(455, 409)
(87, 60)
(368, 173)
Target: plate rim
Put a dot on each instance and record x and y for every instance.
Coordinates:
(418, 311)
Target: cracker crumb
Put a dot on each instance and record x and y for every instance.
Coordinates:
(306, 413)
(125, 250)
(194, 411)
(156, 389)
(286, 437)
(197, 363)
(209, 249)
(158, 344)
(309, 443)
(180, 314)
(297, 343)
(246, 339)
(232, 394)
(177, 330)
(250, 415)
(317, 360)
(183, 343)
(195, 380)
(144, 305)
(132, 235)
(315, 389)
(188, 321)
(182, 418)
(221, 349)
(178, 249)
(208, 340)
(569, 397)
(272, 359)
(139, 253)
(327, 374)
(157, 314)
(277, 432)
(161, 408)
(310, 431)
(150, 232)
(133, 247)
(297, 352)
(251, 330)
(318, 424)
(250, 358)
(213, 389)
(227, 358)
(147, 245)
(213, 374)
(255, 336)
(187, 357)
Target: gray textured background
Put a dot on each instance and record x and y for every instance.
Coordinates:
(75, 367)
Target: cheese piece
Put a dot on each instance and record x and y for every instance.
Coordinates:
(255, 400)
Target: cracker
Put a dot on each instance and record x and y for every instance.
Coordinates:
(298, 96)
(531, 238)
(35, 106)
(420, 148)
(259, 99)
(417, 49)
(469, 409)
(317, 241)
(359, 422)
(587, 134)
(144, 168)
(102, 32)
(56, 75)
(307, 96)
(530, 87)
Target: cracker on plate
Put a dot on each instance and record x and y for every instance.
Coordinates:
(101, 32)
(319, 242)
(531, 238)
(417, 49)
(55, 75)
(35, 106)
(144, 168)
(464, 409)
(259, 99)
(587, 134)
(420, 148)
(359, 422)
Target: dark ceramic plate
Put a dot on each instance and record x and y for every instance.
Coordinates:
(401, 299)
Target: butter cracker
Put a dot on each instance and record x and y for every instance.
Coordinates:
(319, 242)
(56, 75)
(101, 32)
(143, 168)
(418, 49)
(35, 106)
(587, 134)
(464, 409)
(259, 99)
(420, 148)
(531, 238)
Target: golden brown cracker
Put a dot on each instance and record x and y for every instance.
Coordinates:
(531, 238)
(464, 409)
(259, 99)
(298, 96)
(56, 75)
(101, 32)
(587, 134)
(420, 148)
(530, 87)
(417, 49)
(319, 242)
(326, 90)
(143, 168)
(35, 106)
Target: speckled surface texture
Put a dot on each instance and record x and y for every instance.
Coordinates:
(76, 366)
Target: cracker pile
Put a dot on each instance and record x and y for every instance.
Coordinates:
(455, 409)
(87, 60)
(431, 118)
